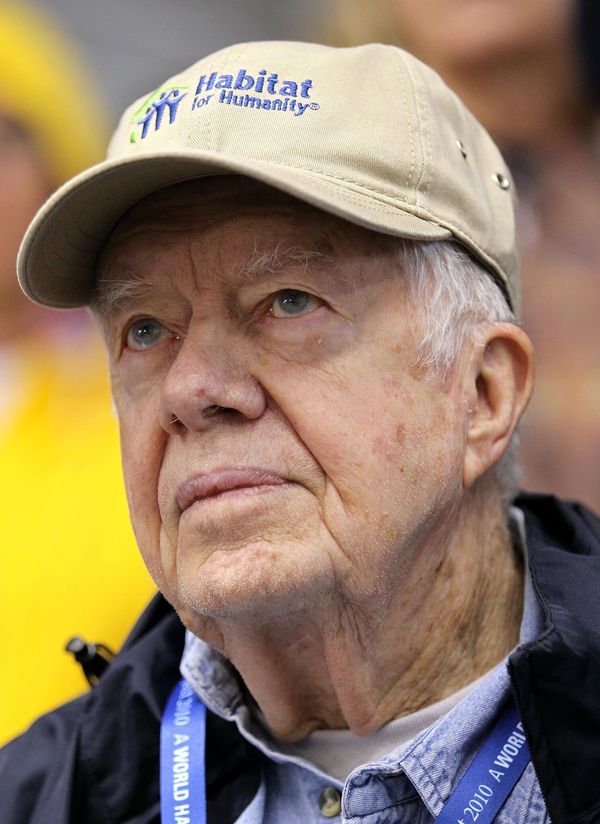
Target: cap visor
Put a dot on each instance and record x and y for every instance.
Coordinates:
(57, 260)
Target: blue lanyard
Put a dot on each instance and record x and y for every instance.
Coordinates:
(481, 792)
(490, 779)
(182, 761)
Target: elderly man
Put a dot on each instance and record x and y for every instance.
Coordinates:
(303, 264)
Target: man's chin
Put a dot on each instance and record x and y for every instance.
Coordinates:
(259, 580)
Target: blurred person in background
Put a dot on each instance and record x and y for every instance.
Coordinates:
(58, 439)
(529, 70)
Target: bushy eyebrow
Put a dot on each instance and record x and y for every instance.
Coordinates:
(276, 260)
(112, 296)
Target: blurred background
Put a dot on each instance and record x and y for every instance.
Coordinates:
(529, 69)
(133, 45)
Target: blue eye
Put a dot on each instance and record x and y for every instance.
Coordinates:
(290, 303)
(144, 333)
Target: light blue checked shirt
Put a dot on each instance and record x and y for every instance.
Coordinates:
(409, 785)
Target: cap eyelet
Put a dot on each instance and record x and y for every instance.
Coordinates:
(461, 147)
(501, 180)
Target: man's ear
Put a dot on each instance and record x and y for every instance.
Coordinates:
(501, 378)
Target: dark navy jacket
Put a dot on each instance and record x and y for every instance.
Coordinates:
(96, 760)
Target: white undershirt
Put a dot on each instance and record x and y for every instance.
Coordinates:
(339, 752)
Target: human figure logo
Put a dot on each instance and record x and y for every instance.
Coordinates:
(168, 100)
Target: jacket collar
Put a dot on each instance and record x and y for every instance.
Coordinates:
(556, 677)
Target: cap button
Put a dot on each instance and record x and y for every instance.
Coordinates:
(330, 802)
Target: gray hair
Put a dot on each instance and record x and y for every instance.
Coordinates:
(452, 296)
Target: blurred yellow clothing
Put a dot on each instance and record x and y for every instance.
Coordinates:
(69, 564)
(39, 69)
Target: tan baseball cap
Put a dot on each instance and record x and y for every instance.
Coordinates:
(368, 133)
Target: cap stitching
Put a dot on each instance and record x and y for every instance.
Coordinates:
(419, 118)
(319, 174)
(426, 98)
(396, 68)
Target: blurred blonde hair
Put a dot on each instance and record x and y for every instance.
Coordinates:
(45, 89)
(353, 22)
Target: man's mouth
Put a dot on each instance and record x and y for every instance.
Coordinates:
(221, 481)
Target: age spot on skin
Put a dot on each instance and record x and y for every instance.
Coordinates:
(400, 436)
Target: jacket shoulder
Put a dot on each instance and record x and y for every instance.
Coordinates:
(75, 764)
(556, 676)
(37, 779)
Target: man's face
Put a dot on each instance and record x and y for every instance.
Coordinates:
(281, 449)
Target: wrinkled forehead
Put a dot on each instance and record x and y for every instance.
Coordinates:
(198, 205)
(201, 202)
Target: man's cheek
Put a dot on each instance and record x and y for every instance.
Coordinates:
(142, 449)
(160, 557)
(141, 482)
(141, 486)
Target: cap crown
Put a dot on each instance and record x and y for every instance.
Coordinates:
(368, 133)
(372, 118)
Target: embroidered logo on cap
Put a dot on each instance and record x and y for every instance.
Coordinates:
(263, 90)
(152, 111)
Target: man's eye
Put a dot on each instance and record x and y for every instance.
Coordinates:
(144, 333)
(290, 303)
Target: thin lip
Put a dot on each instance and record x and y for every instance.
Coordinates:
(208, 484)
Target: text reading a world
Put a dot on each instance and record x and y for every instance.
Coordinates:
(507, 759)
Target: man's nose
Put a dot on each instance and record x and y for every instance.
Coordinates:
(207, 381)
